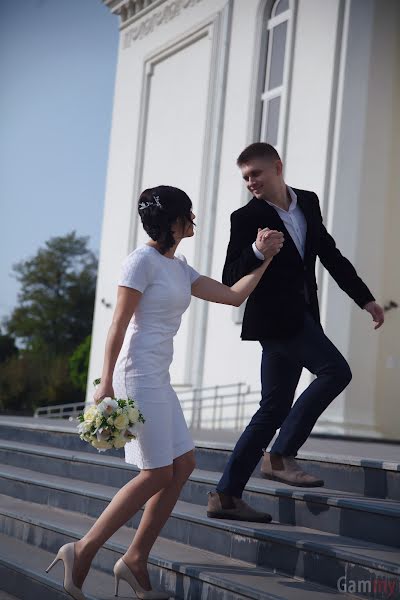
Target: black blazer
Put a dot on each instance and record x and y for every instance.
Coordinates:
(276, 308)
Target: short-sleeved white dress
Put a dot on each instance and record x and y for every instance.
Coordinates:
(142, 368)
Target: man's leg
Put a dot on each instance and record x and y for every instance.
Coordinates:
(333, 373)
(279, 379)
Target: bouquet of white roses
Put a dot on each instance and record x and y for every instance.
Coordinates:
(109, 424)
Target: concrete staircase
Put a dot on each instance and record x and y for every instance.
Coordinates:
(53, 486)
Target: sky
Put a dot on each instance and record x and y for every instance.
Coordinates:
(57, 71)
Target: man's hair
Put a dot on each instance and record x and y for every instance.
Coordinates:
(257, 150)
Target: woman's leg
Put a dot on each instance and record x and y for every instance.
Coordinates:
(155, 515)
(122, 507)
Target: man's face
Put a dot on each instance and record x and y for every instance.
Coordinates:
(262, 176)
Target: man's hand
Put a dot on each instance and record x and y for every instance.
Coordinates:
(376, 312)
(269, 242)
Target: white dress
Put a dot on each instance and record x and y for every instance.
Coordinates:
(142, 368)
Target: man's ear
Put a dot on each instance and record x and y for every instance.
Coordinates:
(279, 167)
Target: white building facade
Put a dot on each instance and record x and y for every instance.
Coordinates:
(197, 81)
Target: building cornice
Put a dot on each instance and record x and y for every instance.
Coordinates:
(130, 10)
(167, 10)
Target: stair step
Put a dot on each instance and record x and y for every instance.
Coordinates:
(371, 519)
(85, 466)
(22, 454)
(303, 552)
(319, 536)
(365, 476)
(298, 552)
(23, 572)
(186, 572)
(351, 550)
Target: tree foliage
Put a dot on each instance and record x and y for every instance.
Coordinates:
(55, 302)
(79, 364)
(8, 349)
(52, 323)
(35, 379)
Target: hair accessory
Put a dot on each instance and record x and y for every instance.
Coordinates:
(156, 202)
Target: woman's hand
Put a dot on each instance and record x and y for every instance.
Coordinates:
(269, 242)
(103, 391)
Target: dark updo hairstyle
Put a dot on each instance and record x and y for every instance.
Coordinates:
(159, 208)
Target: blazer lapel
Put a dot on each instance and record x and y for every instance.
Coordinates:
(267, 214)
(272, 219)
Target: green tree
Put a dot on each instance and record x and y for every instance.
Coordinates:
(55, 304)
(8, 349)
(79, 364)
(35, 379)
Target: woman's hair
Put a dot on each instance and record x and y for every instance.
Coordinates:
(159, 208)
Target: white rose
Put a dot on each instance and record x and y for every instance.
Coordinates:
(100, 445)
(90, 414)
(121, 422)
(133, 414)
(107, 406)
(84, 427)
(119, 441)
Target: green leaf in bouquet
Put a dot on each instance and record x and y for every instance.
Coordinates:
(97, 382)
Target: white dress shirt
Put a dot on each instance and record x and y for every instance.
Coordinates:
(294, 221)
(296, 225)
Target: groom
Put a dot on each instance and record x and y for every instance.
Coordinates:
(283, 315)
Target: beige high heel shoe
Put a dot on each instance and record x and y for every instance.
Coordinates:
(67, 554)
(122, 571)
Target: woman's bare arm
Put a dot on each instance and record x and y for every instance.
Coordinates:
(127, 301)
(214, 291)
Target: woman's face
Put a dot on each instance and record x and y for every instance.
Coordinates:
(189, 229)
(186, 231)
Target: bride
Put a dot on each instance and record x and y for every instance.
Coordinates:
(155, 288)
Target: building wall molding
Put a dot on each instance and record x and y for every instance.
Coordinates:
(132, 13)
(217, 27)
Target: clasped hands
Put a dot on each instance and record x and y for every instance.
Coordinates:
(269, 242)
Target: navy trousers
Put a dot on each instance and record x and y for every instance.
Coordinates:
(281, 366)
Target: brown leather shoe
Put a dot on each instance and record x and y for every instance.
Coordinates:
(287, 470)
(240, 511)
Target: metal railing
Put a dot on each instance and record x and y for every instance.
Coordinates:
(228, 406)
(60, 411)
(219, 407)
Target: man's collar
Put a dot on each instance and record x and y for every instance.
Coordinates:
(293, 198)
